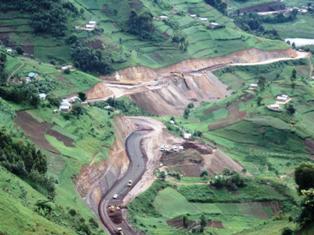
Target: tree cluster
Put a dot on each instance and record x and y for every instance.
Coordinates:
(47, 16)
(3, 59)
(220, 5)
(229, 179)
(304, 178)
(25, 161)
(26, 93)
(90, 60)
(141, 25)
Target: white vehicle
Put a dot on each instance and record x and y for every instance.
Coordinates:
(130, 183)
(115, 196)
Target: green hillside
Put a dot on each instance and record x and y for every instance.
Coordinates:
(127, 49)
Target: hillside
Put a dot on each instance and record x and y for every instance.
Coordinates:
(162, 47)
(156, 117)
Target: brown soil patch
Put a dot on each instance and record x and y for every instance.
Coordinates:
(215, 224)
(309, 143)
(36, 131)
(178, 223)
(235, 115)
(197, 158)
(66, 140)
(188, 163)
(259, 209)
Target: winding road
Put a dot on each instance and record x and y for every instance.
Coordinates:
(134, 172)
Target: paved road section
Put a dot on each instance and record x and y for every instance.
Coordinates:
(135, 171)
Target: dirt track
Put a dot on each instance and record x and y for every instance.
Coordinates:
(36, 131)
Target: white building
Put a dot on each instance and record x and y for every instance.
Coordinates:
(65, 106)
(42, 96)
(187, 135)
(274, 107)
(203, 19)
(283, 99)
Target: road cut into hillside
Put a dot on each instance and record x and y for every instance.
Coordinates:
(168, 91)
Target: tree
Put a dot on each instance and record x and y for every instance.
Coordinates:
(77, 110)
(141, 25)
(304, 176)
(19, 51)
(82, 96)
(185, 221)
(203, 222)
(287, 231)
(291, 110)
(3, 60)
(307, 212)
(259, 100)
(261, 83)
(162, 176)
(186, 113)
(90, 60)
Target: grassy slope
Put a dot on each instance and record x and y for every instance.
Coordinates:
(265, 143)
(298, 28)
(17, 200)
(63, 84)
(90, 139)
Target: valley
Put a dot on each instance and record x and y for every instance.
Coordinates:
(156, 117)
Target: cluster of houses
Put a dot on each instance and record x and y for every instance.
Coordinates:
(281, 100)
(171, 148)
(89, 26)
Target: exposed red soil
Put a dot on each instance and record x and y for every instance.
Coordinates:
(36, 131)
(180, 84)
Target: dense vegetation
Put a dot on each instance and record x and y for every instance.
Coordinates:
(220, 5)
(3, 59)
(48, 16)
(24, 160)
(141, 25)
(304, 177)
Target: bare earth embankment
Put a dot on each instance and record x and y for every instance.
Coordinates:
(167, 91)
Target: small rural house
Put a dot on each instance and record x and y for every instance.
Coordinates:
(42, 96)
(203, 19)
(91, 26)
(163, 17)
(66, 67)
(214, 25)
(253, 87)
(65, 106)
(283, 99)
(274, 107)
(187, 135)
